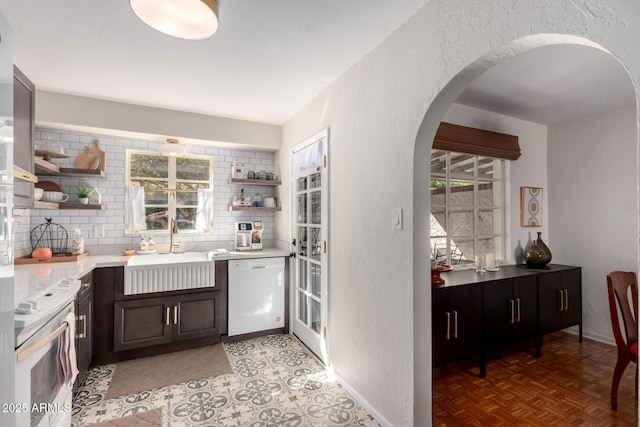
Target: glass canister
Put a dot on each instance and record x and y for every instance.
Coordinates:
(78, 243)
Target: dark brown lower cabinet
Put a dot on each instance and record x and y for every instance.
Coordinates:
(559, 302)
(132, 326)
(151, 321)
(510, 311)
(84, 327)
(457, 323)
(473, 313)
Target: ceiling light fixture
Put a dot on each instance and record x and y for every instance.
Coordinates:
(172, 148)
(186, 19)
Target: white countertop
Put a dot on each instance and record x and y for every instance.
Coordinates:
(31, 278)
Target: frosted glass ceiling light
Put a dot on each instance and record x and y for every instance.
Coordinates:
(186, 19)
(172, 148)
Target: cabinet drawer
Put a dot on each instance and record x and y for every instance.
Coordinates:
(86, 286)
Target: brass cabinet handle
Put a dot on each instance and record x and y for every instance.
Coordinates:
(86, 285)
(561, 299)
(83, 334)
(566, 299)
(84, 325)
(518, 309)
(512, 320)
(175, 314)
(448, 336)
(168, 315)
(455, 324)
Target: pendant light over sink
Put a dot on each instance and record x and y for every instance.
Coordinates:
(185, 19)
(172, 148)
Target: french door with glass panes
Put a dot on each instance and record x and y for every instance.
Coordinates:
(310, 231)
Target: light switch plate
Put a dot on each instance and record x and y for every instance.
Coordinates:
(396, 219)
(98, 231)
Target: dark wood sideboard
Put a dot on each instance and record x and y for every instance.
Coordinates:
(474, 313)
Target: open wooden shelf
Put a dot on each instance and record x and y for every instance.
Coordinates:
(254, 208)
(271, 183)
(73, 172)
(38, 204)
(81, 206)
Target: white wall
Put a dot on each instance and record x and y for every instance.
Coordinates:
(593, 198)
(89, 115)
(379, 304)
(530, 170)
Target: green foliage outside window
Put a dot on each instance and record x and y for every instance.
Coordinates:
(171, 186)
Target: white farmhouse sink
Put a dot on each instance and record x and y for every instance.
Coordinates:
(166, 258)
(145, 274)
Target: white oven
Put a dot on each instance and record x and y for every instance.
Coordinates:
(43, 397)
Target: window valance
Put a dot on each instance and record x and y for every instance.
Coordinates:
(478, 142)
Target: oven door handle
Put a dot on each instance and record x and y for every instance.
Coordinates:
(46, 340)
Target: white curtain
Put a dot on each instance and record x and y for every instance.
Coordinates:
(204, 213)
(134, 214)
(308, 160)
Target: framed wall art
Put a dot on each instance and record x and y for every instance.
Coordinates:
(530, 207)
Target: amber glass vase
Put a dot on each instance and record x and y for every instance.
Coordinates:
(538, 255)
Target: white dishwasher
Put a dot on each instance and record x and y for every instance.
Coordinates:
(256, 295)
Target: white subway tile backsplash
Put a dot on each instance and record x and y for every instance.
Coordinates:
(112, 190)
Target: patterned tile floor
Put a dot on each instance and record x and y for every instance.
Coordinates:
(276, 382)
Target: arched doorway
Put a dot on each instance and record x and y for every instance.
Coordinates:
(422, 205)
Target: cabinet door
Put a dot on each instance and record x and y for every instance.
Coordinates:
(526, 307)
(440, 320)
(105, 280)
(196, 315)
(23, 131)
(456, 318)
(499, 311)
(142, 323)
(84, 334)
(572, 313)
(466, 313)
(550, 302)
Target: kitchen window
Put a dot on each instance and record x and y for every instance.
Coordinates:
(171, 187)
(467, 207)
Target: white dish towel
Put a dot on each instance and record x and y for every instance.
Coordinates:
(204, 213)
(134, 214)
(67, 364)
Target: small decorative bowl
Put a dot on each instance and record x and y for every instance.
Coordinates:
(128, 252)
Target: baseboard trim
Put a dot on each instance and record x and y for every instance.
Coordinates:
(590, 335)
(362, 401)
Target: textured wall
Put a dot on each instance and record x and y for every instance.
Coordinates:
(112, 190)
(379, 331)
(593, 196)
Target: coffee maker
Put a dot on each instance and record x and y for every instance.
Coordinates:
(248, 235)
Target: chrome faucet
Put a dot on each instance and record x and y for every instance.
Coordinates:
(173, 229)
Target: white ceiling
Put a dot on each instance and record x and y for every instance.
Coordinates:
(271, 57)
(268, 59)
(552, 84)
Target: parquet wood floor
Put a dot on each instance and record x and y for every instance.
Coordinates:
(569, 385)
